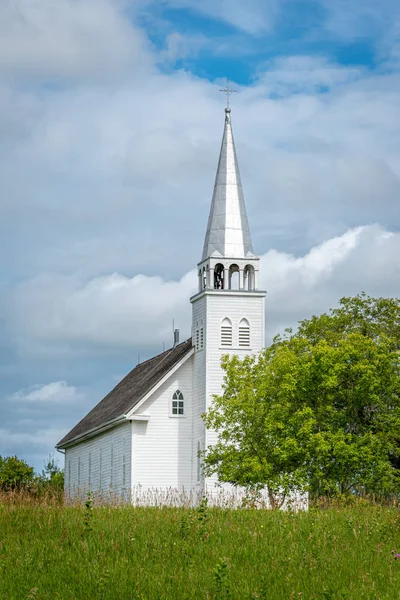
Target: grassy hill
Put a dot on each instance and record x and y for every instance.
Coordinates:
(50, 552)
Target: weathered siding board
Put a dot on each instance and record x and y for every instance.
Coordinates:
(97, 452)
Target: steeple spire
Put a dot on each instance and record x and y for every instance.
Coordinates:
(228, 233)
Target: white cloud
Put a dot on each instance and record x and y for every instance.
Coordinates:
(179, 46)
(68, 39)
(58, 392)
(117, 311)
(362, 259)
(287, 75)
(122, 179)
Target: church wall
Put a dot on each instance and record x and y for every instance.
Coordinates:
(199, 388)
(111, 450)
(161, 446)
(235, 307)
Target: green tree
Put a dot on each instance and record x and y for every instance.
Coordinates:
(318, 410)
(14, 473)
(52, 475)
(371, 317)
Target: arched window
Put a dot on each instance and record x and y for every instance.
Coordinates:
(178, 404)
(244, 333)
(226, 332)
(234, 277)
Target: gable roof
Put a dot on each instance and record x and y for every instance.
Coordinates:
(128, 392)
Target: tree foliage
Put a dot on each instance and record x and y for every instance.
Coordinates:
(52, 476)
(14, 473)
(318, 410)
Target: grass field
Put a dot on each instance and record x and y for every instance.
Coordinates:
(71, 553)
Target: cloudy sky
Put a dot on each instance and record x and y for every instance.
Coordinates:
(110, 126)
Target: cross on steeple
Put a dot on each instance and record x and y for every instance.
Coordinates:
(228, 91)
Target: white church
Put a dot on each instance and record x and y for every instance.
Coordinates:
(147, 432)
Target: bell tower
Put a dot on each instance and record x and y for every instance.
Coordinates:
(228, 309)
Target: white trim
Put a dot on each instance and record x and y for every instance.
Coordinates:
(244, 293)
(132, 482)
(143, 417)
(129, 414)
(229, 349)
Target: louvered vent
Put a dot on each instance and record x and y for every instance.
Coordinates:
(226, 333)
(244, 333)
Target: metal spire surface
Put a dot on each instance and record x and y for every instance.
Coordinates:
(228, 233)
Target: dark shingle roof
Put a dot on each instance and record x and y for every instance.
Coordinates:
(128, 392)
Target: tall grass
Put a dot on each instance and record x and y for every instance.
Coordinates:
(49, 551)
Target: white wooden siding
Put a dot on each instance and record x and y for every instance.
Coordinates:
(199, 389)
(98, 452)
(161, 446)
(208, 374)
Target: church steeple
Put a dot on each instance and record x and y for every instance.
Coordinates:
(228, 233)
(228, 261)
(228, 315)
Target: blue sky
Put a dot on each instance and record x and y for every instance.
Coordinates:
(110, 125)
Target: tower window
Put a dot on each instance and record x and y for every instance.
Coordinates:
(249, 278)
(197, 339)
(244, 333)
(202, 338)
(234, 277)
(226, 333)
(178, 404)
(219, 277)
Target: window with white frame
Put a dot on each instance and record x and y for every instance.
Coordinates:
(178, 404)
(244, 333)
(201, 338)
(197, 339)
(226, 332)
